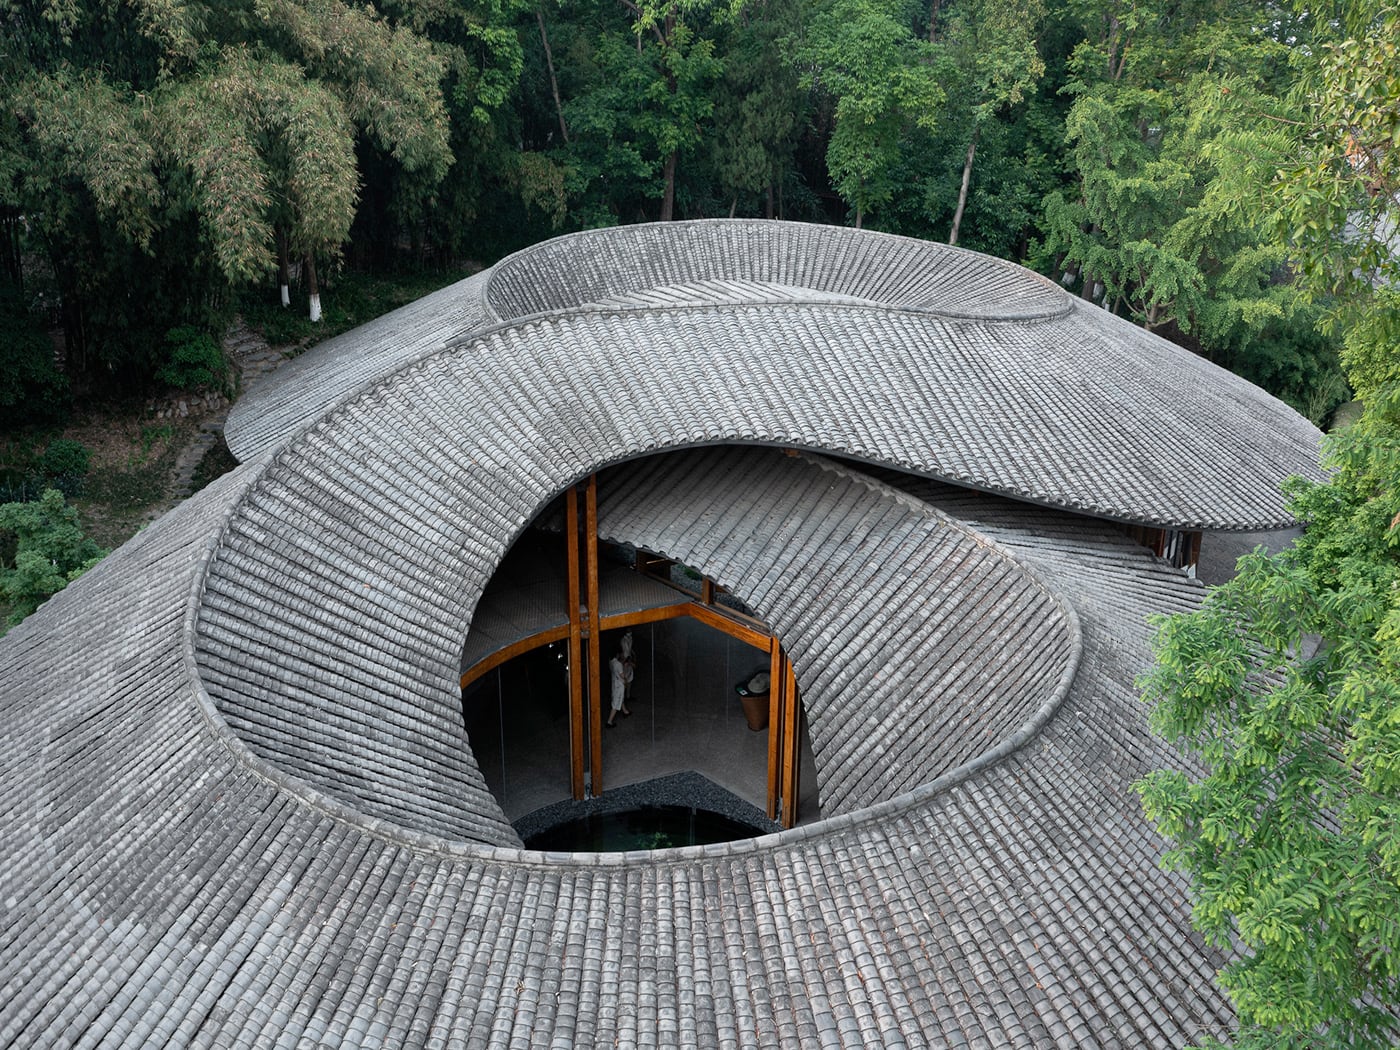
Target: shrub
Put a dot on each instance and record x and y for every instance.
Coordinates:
(65, 459)
(49, 551)
(193, 359)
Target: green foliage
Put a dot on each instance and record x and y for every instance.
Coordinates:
(1291, 830)
(759, 108)
(43, 551)
(65, 459)
(1286, 685)
(993, 48)
(193, 359)
(1165, 134)
(357, 298)
(158, 150)
(1340, 167)
(1295, 362)
(885, 84)
(63, 465)
(642, 111)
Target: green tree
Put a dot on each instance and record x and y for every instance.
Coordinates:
(174, 143)
(1019, 151)
(759, 108)
(644, 103)
(1155, 229)
(494, 172)
(993, 47)
(42, 550)
(32, 390)
(884, 82)
(1285, 686)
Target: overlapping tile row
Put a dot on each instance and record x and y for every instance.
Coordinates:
(106, 771)
(716, 292)
(208, 906)
(1027, 390)
(273, 410)
(1103, 427)
(918, 645)
(331, 631)
(333, 616)
(305, 855)
(598, 266)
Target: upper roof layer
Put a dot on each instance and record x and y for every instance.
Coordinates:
(598, 266)
(1003, 381)
(334, 609)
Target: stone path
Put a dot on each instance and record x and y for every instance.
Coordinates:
(253, 357)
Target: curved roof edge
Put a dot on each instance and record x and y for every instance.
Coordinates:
(599, 266)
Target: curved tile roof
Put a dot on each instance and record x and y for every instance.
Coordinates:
(270, 412)
(1020, 388)
(167, 887)
(597, 266)
(240, 813)
(813, 549)
(335, 606)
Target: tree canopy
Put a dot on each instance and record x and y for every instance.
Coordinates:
(158, 155)
(42, 550)
(1285, 687)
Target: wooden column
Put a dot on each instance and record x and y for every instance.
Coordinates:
(576, 671)
(791, 737)
(1193, 558)
(595, 641)
(775, 727)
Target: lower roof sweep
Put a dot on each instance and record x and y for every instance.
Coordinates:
(241, 810)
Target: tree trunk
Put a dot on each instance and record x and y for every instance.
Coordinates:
(284, 267)
(668, 172)
(312, 288)
(933, 21)
(553, 80)
(768, 205)
(962, 192)
(14, 269)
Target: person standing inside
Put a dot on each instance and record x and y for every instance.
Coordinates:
(622, 668)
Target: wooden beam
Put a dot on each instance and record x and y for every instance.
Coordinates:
(550, 635)
(720, 622)
(595, 631)
(707, 590)
(637, 617)
(511, 651)
(613, 622)
(775, 727)
(576, 735)
(791, 738)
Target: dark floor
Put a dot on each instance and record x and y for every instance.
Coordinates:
(685, 716)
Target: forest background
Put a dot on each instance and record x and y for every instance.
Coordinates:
(166, 163)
